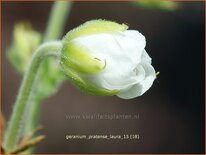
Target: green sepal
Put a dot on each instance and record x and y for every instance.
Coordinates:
(79, 60)
(94, 27)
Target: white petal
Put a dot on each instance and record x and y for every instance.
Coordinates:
(140, 88)
(122, 53)
(146, 57)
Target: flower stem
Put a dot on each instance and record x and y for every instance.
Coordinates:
(60, 11)
(57, 19)
(55, 26)
(33, 115)
(45, 50)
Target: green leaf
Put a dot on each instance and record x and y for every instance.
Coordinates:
(49, 79)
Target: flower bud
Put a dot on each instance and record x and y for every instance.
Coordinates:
(104, 58)
(25, 40)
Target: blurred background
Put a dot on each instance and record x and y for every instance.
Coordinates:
(171, 113)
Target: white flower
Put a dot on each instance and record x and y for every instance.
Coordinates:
(126, 66)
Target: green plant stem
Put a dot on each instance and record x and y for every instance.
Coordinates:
(60, 11)
(57, 19)
(45, 50)
(55, 26)
(33, 115)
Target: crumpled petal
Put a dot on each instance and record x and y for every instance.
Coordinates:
(140, 88)
(146, 57)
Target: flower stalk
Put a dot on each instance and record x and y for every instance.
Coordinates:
(44, 51)
(55, 26)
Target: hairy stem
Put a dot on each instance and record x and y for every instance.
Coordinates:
(12, 134)
(55, 26)
(60, 11)
(33, 115)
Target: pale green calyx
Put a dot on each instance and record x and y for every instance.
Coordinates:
(104, 58)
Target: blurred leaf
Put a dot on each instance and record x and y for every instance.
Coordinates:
(162, 5)
(49, 79)
(25, 40)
